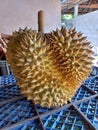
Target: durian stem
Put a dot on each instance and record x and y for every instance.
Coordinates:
(41, 21)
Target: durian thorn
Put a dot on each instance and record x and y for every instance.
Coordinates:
(80, 34)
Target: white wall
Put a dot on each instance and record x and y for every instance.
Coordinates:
(21, 13)
(88, 25)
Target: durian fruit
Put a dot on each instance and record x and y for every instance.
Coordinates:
(73, 56)
(49, 67)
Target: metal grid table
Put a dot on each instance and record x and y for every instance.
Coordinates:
(18, 113)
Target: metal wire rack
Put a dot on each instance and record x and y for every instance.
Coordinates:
(18, 113)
